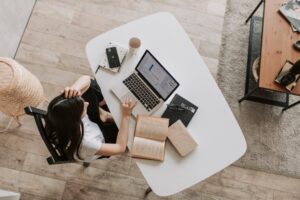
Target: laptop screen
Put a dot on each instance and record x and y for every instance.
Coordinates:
(156, 76)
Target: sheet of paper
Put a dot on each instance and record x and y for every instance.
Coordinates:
(152, 127)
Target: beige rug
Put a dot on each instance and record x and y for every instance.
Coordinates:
(273, 137)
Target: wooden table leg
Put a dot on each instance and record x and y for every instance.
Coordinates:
(9, 124)
(86, 164)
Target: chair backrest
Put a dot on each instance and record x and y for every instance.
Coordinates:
(56, 157)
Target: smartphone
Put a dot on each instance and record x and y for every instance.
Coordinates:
(112, 57)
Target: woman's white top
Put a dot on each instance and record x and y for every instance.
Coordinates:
(92, 140)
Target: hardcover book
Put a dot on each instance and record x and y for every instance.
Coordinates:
(181, 139)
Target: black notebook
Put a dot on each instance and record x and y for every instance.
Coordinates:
(180, 108)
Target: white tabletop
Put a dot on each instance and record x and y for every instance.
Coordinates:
(214, 127)
(8, 195)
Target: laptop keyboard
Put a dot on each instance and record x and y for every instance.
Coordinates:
(141, 92)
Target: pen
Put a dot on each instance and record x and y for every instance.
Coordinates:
(97, 69)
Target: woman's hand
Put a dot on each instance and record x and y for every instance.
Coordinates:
(70, 92)
(78, 88)
(127, 107)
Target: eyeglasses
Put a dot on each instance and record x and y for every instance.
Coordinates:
(181, 107)
(176, 107)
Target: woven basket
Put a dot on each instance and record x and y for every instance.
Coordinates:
(18, 88)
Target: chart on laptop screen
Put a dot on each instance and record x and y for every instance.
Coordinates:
(157, 76)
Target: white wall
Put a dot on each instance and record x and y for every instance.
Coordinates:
(14, 15)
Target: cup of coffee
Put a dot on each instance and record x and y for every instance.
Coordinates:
(134, 45)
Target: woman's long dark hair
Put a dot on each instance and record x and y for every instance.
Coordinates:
(64, 126)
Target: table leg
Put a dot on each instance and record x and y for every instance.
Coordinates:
(10, 122)
(287, 99)
(250, 16)
(247, 95)
(292, 105)
(148, 191)
(86, 164)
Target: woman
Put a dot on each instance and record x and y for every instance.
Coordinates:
(75, 122)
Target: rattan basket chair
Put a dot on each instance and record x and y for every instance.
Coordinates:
(18, 88)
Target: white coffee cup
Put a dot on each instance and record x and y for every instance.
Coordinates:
(134, 45)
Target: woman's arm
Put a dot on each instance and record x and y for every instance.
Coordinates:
(120, 146)
(78, 88)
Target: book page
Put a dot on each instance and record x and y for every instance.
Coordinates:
(155, 128)
(181, 139)
(149, 149)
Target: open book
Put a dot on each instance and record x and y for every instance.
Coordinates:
(150, 138)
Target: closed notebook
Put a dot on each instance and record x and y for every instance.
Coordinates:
(181, 139)
(180, 108)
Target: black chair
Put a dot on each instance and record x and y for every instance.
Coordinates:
(57, 156)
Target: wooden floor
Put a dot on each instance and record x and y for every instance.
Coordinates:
(53, 49)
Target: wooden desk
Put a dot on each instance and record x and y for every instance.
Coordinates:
(277, 46)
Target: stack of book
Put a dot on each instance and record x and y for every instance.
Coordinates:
(291, 11)
(151, 134)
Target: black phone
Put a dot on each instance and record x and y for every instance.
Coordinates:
(112, 57)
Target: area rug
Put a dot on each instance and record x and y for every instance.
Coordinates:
(273, 137)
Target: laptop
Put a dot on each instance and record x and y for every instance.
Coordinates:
(150, 85)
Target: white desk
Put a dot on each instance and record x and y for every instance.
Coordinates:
(7, 195)
(220, 139)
